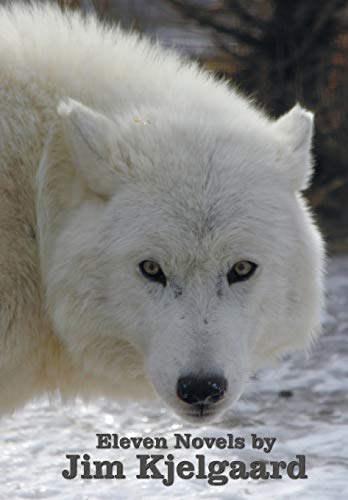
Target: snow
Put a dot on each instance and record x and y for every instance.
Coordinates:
(312, 421)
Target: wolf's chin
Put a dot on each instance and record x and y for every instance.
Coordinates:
(198, 419)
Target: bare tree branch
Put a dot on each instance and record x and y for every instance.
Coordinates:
(244, 15)
(322, 18)
(230, 49)
(319, 196)
(206, 20)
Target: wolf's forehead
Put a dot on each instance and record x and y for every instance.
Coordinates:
(187, 221)
(206, 203)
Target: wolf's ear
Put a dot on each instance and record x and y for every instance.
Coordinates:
(88, 135)
(295, 130)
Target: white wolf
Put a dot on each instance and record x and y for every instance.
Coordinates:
(153, 238)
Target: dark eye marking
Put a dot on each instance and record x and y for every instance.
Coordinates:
(220, 285)
(177, 290)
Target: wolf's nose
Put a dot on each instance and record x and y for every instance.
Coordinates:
(195, 390)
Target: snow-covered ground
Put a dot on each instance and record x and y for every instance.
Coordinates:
(312, 421)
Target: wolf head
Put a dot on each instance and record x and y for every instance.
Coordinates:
(177, 251)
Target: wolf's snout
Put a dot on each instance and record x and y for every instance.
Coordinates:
(195, 390)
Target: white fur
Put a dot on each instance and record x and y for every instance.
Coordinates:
(147, 157)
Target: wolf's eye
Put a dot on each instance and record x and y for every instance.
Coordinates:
(152, 271)
(241, 271)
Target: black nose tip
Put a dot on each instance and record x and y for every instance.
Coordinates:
(198, 390)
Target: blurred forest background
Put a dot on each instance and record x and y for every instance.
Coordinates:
(277, 51)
